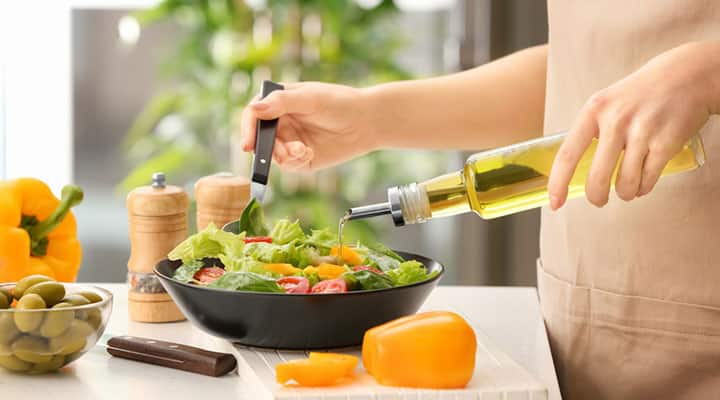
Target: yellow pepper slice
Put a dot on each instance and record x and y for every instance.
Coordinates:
(282, 269)
(349, 256)
(320, 369)
(330, 271)
(434, 350)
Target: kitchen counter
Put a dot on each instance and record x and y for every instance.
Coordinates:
(509, 316)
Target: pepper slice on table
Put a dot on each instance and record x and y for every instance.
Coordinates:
(434, 350)
(319, 369)
(38, 233)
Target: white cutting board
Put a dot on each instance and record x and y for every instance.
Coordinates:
(496, 376)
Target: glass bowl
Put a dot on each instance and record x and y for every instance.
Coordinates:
(42, 341)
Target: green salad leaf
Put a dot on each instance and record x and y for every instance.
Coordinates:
(408, 273)
(381, 249)
(266, 252)
(186, 272)
(367, 280)
(252, 220)
(300, 254)
(322, 238)
(210, 242)
(246, 281)
(285, 232)
(380, 261)
(311, 276)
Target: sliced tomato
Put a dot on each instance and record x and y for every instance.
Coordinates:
(208, 274)
(330, 286)
(367, 268)
(294, 284)
(256, 239)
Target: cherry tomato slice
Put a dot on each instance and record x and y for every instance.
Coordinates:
(294, 284)
(330, 286)
(208, 274)
(367, 268)
(256, 239)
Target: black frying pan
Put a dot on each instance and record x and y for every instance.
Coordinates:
(295, 321)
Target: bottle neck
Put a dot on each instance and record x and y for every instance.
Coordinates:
(442, 196)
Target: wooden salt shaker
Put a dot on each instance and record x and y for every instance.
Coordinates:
(158, 222)
(220, 198)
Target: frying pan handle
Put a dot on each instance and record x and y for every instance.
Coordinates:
(264, 139)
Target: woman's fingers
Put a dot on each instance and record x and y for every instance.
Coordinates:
(610, 145)
(568, 156)
(281, 102)
(629, 176)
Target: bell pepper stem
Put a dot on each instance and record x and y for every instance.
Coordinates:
(71, 196)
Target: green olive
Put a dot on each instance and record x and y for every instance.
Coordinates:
(24, 283)
(76, 299)
(4, 303)
(53, 365)
(91, 296)
(8, 331)
(56, 322)
(51, 292)
(73, 339)
(7, 293)
(31, 349)
(94, 318)
(14, 364)
(28, 321)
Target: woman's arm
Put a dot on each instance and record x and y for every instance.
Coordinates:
(649, 115)
(324, 124)
(496, 104)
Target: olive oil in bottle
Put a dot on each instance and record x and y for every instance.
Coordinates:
(499, 182)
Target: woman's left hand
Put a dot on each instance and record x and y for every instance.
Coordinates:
(649, 115)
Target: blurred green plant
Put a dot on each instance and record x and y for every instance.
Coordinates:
(225, 48)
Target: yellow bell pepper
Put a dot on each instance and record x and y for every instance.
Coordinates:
(434, 350)
(38, 233)
(330, 271)
(282, 269)
(349, 256)
(320, 369)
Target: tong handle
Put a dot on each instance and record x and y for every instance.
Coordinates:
(264, 139)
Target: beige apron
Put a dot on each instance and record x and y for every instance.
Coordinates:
(631, 292)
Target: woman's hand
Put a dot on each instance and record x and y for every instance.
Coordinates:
(649, 115)
(319, 125)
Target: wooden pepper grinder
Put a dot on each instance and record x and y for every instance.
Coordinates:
(158, 222)
(220, 198)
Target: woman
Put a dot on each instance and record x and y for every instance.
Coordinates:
(629, 291)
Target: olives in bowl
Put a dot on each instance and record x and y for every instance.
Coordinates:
(45, 325)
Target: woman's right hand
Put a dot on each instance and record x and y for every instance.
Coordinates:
(319, 125)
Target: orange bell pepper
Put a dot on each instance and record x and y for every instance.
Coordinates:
(434, 350)
(282, 269)
(349, 256)
(38, 233)
(330, 271)
(320, 369)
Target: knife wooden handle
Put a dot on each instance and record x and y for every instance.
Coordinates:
(172, 355)
(264, 139)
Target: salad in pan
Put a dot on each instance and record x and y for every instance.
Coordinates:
(285, 259)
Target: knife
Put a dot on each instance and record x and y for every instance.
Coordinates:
(264, 144)
(167, 354)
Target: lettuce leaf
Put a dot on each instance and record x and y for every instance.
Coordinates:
(210, 242)
(186, 272)
(300, 255)
(246, 281)
(285, 232)
(322, 238)
(266, 252)
(367, 280)
(252, 220)
(381, 249)
(409, 272)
